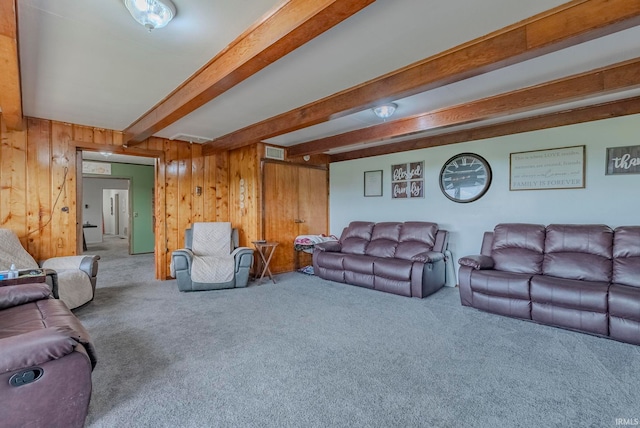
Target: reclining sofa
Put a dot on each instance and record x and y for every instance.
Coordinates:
(401, 258)
(579, 277)
(46, 360)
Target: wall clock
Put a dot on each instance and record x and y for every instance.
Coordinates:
(465, 177)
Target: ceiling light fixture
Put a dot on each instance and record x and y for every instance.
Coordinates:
(385, 111)
(151, 13)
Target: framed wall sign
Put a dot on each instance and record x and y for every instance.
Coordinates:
(623, 160)
(373, 183)
(561, 168)
(407, 180)
(100, 168)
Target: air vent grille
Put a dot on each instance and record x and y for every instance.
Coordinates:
(274, 153)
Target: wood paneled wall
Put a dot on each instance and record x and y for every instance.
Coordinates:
(246, 215)
(38, 177)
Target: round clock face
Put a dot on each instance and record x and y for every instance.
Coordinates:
(465, 177)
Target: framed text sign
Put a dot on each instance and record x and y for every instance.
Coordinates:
(623, 160)
(561, 168)
(407, 180)
(373, 183)
(96, 168)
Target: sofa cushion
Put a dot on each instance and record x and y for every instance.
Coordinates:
(396, 269)
(356, 237)
(570, 293)
(384, 239)
(403, 288)
(624, 313)
(624, 302)
(358, 263)
(416, 237)
(499, 283)
(576, 251)
(330, 260)
(518, 247)
(626, 256)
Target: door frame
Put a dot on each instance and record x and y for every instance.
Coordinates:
(160, 210)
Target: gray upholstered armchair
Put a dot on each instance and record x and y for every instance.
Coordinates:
(211, 259)
(72, 278)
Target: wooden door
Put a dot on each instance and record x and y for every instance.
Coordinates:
(280, 200)
(313, 206)
(295, 203)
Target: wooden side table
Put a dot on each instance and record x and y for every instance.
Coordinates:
(25, 276)
(265, 249)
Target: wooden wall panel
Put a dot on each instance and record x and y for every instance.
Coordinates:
(38, 164)
(171, 196)
(185, 190)
(13, 180)
(197, 180)
(39, 238)
(244, 164)
(63, 189)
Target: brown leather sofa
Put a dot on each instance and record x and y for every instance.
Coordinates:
(579, 277)
(401, 258)
(46, 360)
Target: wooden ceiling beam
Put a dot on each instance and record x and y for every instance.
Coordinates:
(545, 121)
(564, 26)
(605, 80)
(292, 24)
(10, 90)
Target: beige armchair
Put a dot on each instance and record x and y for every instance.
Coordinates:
(72, 278)
(211, 259)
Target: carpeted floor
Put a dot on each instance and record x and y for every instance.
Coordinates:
(309, 353)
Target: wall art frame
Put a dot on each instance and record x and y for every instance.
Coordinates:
(558, 168)
(373, 183)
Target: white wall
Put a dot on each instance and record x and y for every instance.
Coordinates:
(611, 200)
(93, 204)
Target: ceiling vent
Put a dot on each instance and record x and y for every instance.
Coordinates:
(190, 138)
(274, 153)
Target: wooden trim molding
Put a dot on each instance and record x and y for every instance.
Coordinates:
(568, 117)
(605, 80)
(289, 26)
(10, 90)
(567, 25)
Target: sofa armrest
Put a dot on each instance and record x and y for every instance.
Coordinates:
(180, 261)
(243, 257)
(14, 295)
(35, 347)
(477, 262)
(87, 264)
(329, 246)
(52, 281)
(428, 257)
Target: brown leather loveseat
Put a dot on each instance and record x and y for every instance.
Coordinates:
(46, 360)
(579, 277)
(401, 258)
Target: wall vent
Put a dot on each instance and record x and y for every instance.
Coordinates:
(190, 138)
(274, 153)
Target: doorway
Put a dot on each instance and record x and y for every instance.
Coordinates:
(106, 210)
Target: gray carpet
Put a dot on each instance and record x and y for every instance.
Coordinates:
(309, 353)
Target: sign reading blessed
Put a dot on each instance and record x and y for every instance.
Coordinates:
(561, 168)
(407, 180)
(623, 160)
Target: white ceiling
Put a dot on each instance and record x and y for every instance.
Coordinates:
(90, 63)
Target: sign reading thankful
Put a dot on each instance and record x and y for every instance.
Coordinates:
(407, 180)
(623, 160)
